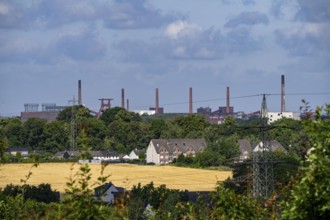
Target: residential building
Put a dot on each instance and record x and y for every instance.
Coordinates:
(15, 150)
(135, 153)
(272, 145)
(274, 116)
(245, 149)
(163, 151)
(108, 192)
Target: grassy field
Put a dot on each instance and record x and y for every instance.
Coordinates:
(123, 175)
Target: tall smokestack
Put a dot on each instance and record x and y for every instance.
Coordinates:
(79, 93)
(122, 98)
(127, 105)
(228, 101)
(190, 101)
(157, 101)
(282, 94)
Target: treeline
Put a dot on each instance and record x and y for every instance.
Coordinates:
(123, 131)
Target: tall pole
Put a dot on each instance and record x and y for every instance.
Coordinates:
(190, 101)
(157, 101)
(73, 123)
(263, 177)
(282, 94)
(79, 93)
(122, 98)
(228, 102)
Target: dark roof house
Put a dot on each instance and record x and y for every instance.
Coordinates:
(163, 151)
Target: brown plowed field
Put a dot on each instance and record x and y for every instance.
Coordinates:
(123, 175)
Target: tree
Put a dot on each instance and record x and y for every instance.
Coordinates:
(226, 204)
(3, 145)
(309, 197)
(14, 132)
(34, 136)
(192, 125)
(109, 115)
(56, 136)
(81, 112)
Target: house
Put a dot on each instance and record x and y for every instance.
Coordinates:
(15, 150)
(67, 154)
(274, 116)
(272, 145)
(163, 151)
(108, 192)
(245, 149)
(135, 153)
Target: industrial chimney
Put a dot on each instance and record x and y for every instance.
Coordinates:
(282, 94)
(79, 93)
(228, 102)
(127, 105)
(122, 98)
(157, 102)
(190, 101)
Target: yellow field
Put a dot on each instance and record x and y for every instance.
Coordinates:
(123, 175)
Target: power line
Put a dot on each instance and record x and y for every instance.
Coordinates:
(237, 97)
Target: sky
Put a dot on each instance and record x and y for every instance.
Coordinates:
(140, 45)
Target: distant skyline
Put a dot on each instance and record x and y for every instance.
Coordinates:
(140, 45)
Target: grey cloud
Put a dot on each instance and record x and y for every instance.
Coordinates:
(59, 12)
(201, 45)
(244, 2)
(247, 18)
(11, 15)
(297, 44)
(314, 10)
(83, 46)
(120, 14)
(126, 14)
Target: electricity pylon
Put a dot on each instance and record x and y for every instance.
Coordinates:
(262, 166)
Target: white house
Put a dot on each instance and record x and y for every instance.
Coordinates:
(163, 151)
(272, 145)
(108, 192)
(135, 154)
(274, 116)
(245, 149)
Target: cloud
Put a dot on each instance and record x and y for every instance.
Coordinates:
(181, 28)
(16, 49)
(59, 12)
(126, 14)
(244, 2)
(314, 11)
(120, 14)
(247, 18)
(11, 15)
(306, 40)
(183, 40)
(82, 45)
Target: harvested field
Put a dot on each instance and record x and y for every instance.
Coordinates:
(123, 175)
